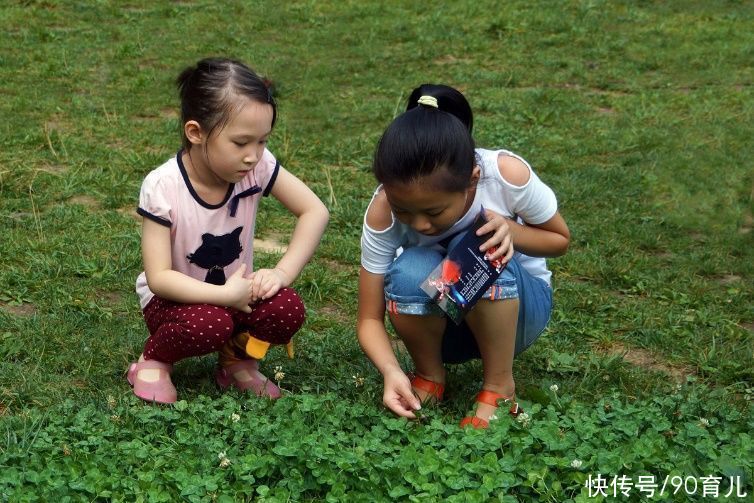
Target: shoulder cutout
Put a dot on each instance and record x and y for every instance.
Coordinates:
(513, 170)
(379, 216)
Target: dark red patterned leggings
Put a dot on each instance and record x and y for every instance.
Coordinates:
(178, 331)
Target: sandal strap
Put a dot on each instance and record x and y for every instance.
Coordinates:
(433, 388)
(492, 398)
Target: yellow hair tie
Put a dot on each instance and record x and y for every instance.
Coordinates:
(429, 101)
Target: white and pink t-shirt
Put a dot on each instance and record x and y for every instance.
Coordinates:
(532, 203)
(209, 242)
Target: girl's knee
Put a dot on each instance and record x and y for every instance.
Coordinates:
(196, 330)
(292, 308)
(208, 325)
(409, 270)
(283, 314)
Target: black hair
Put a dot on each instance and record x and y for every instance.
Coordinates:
(425, 139)
(448, 100)
(210, 92)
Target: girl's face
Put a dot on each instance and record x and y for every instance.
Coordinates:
(235, 150)
(426, 210)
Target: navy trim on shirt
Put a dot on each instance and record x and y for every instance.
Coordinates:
(237, 198)
(193, 193)
(274, 177)
(154, 218)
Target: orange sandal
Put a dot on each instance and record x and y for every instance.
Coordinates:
(434, 389)
(494, 399)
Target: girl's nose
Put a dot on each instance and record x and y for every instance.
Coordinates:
(251, 157)
(421, 224)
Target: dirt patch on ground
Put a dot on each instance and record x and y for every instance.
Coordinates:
(729, 279)
(334, 312)
(110, 297)
(748, 223)
(20, 215)
(19, 309)
(53, 169)
(86, 201)
(748, 220)
(449, 59)
(747, 326)
(339, 267)
(79, 383)
(646, 360)
(269, 244)
(130, 211)
(169, 113)
(664, 255)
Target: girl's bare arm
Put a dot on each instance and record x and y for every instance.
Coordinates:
(312, 217)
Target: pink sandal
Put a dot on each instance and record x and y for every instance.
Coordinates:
(259, 383)
(161, 390)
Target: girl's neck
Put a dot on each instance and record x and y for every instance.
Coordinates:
(209, 186)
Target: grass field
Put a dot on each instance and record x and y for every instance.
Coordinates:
(638, 114)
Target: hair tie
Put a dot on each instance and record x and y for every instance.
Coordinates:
(429, 101)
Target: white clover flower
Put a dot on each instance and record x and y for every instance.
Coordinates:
(279, 374)
(235, 417)
(111, 401)
(524, 419)
(115, 418)
(554, 388)
(704, 421)
(358, 380)
(576, 463)
(224, 461)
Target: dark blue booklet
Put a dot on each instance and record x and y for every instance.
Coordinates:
(463, 277)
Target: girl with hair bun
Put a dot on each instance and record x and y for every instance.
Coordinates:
(433, 183)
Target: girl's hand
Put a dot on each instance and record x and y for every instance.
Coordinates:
(266, 283)
(398, 395)
(239, 290)
(500, 244)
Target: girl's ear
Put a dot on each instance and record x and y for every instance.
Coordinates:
(193, 132)
(476, 174)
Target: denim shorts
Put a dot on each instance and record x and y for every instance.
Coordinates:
(403, 295)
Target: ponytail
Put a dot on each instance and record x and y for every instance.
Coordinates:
(432, 136)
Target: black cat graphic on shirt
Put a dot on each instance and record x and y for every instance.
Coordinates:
(215, 253)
